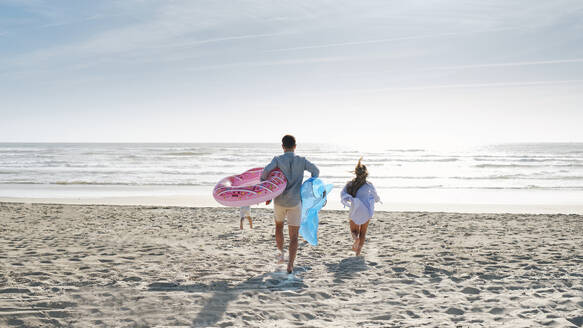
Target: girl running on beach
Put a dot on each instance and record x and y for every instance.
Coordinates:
(360, 195)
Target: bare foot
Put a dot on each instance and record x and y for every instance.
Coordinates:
(290, 268)
(250, 223)
(358, 249)
(280, 259)
(355, 245)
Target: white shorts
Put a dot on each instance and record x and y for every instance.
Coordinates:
(244, 211)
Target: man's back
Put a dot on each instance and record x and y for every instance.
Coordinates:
(293, 168)
(288, 204)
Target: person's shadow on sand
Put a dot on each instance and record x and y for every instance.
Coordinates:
(347, 268)
(223, 293)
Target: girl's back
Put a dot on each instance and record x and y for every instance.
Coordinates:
(360, 195)
(366, 192)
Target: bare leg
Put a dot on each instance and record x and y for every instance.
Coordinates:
(362, 236)
(355, 231)
(293, 247)
(250, 222)
(244, 212)
(279, 238)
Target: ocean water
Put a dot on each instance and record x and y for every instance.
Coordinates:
(555, 168)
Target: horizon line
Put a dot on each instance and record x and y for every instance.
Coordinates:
(250, 142)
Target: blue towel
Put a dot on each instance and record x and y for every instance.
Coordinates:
(314, 194)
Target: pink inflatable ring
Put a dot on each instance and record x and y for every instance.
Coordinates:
(247, 189)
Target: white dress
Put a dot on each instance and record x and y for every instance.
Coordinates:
(361, 206)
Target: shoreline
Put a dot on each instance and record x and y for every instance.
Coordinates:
(395, 200)
(204, 202)
(139, 204)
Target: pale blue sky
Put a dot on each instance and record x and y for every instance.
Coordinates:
(402, 72)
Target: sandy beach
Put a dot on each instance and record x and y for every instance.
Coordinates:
(147, 266)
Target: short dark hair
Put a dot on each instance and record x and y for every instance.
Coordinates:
(288, 141)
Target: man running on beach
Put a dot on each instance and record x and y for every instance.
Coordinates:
(289, 203)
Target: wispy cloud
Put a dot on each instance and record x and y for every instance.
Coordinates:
(220, 39)
(300, 61)
(509, 64)
(154, 55)
(468, 85)
(161, 34)
(387, 40)
(469, 66)
(79, 20)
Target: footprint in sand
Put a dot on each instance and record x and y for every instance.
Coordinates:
(496, 310)
(470, 291)
(454, 311)
(412, 315)
(428, 293)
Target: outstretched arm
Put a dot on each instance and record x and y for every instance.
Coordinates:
(345, 197)
(272, 165)
(312, 169)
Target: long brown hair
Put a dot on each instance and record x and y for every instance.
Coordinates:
(358, 181)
